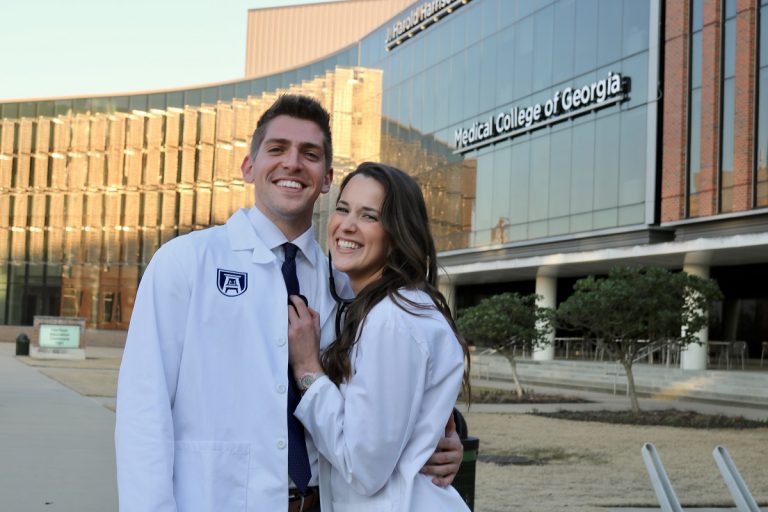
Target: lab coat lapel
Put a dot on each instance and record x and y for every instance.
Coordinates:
(243, 237)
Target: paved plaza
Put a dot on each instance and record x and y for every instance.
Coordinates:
(56, 444)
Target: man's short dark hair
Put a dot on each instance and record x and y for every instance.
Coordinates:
(300, 107)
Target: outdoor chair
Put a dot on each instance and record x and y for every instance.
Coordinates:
(581, 347)
(739, 350)
(722, 351)
(568, 346)
(599, 350)
(671, 355)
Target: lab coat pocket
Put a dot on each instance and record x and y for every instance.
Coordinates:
(365, 505)
(211, 476)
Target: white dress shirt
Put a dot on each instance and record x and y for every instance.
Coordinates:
(307, 259)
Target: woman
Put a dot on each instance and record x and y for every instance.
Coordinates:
(377, 400)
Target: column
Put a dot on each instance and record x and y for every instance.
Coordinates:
(694, 356)
(546, 288)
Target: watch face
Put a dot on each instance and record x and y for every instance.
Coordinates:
(307, 380)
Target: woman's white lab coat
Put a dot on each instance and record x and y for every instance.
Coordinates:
(201, 406)
(378, 429)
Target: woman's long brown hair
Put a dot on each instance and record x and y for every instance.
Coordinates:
(411, 264)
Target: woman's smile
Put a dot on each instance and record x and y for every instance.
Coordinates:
(359, 244)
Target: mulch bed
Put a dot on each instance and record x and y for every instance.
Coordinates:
(664, 417)
(502, 396)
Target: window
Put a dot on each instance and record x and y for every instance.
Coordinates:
(694, 112)
(108, 303)
(761, 160)
(726, 134)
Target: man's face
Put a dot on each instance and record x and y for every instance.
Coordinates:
(289, 173)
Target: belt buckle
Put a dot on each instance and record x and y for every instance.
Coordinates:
(297, 497)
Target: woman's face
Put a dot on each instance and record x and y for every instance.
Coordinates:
(356, 238)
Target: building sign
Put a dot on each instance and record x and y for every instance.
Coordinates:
(564, 104)
(59, 336)
(420, 17)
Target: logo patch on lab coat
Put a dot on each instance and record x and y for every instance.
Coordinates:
(232, 283)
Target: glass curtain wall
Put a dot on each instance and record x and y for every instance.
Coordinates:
(87, 198)
(120, 175)
(585, 173)
(179, 98)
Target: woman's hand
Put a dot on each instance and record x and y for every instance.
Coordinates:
(303, 338)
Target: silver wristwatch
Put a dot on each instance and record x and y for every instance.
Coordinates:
(307, 380)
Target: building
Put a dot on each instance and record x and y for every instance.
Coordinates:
(553, 140)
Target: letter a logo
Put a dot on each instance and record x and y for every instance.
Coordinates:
(232, 283)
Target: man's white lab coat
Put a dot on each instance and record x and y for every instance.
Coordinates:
(201, 406)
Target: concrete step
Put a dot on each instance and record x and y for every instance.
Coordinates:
(727, 386)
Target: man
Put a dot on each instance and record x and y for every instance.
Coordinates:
(202, 392)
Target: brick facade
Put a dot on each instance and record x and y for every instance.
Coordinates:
(675, 104)
(711, 86)
(706, 201)
(744, 104)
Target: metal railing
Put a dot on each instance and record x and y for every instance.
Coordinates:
(665, 493)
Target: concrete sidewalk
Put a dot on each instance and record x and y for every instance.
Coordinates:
(56, 446)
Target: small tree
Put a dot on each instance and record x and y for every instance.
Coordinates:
(638, 308)
(506, 321)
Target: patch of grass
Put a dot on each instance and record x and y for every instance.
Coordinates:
(663, 417)
(559, 455)
(482, 395)
(507, 460)
(539, 456)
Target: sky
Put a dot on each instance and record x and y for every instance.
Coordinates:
(52, 48)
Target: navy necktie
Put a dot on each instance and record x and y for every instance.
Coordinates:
(298, 460)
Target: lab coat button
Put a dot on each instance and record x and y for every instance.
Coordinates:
(281, 388)
(280, 342)
(281, 443)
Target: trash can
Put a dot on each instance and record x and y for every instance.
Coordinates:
(465, 478)
(22, 345)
